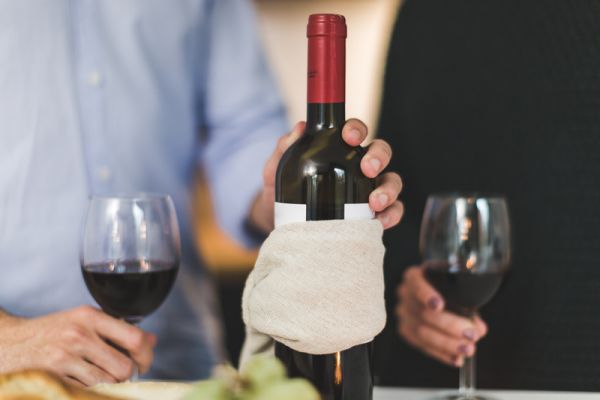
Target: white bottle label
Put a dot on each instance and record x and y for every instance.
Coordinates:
(286, 213)
(358, 211)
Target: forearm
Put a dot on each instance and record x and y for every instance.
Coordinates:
(11, 352)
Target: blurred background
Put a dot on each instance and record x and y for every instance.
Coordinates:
(283, 28)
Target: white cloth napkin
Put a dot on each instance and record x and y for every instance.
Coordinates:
(317, 287)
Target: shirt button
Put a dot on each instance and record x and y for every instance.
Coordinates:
(104, 173)
(95, 78)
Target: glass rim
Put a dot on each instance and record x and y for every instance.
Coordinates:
(137, 196)
(489, 196)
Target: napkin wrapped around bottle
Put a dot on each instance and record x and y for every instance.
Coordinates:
(317, 287)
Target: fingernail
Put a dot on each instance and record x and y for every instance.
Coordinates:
(434, 303)
(469, 334)
(465, 349)
(383, 199)
(354, 134)
(385, 220)
(375, 164)
(457, 361)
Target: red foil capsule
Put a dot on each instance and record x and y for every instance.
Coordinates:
(326, 58)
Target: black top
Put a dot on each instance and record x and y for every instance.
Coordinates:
(504, 96)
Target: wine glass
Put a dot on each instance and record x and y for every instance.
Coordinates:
(130, 252)
(465, 244)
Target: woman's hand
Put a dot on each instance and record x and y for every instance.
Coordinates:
(383, 200)
(425, 324)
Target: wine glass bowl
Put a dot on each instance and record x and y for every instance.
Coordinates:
(468, 231)
(130, 252)
(466, 248)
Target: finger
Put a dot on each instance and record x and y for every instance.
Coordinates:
(446, 322)
(434, 340)
(401, 291)
(130, 338)
(86, 373)
(283, 144)
(415, 328)
(386, 193)
(377, 158)
(451, 360)
(431, 342)
(355, 132)
(85, 343)
(480, 326)
(111, 360)
(430, 337)
(421, 290)
(287, 140)
(392, 215)
(73, 381)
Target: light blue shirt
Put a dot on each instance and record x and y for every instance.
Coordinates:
(111, 96)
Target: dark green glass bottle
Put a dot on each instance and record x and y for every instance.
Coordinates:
(319, 178)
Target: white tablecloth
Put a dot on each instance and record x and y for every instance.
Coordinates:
(420, 394)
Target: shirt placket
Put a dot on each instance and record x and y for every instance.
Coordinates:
(91, 84)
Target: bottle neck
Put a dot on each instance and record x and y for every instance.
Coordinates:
(326, 91)
(325, 116)
(326, 70)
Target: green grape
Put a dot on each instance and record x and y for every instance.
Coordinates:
(261, 371)
(263, 378)
(212, 389)
(292, 389)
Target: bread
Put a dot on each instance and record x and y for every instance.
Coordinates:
(41, 385)
(145, 390)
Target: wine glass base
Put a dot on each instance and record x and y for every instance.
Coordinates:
(457, 396)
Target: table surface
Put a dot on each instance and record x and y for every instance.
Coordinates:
(421, 394)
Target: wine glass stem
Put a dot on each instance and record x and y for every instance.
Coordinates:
(135, 374)
(467, 378)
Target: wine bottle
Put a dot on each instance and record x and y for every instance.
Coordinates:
(319, 178)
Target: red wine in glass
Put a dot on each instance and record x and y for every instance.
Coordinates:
(463, 290)
(131, 289)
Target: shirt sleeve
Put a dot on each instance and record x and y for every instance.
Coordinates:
(244, 114)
